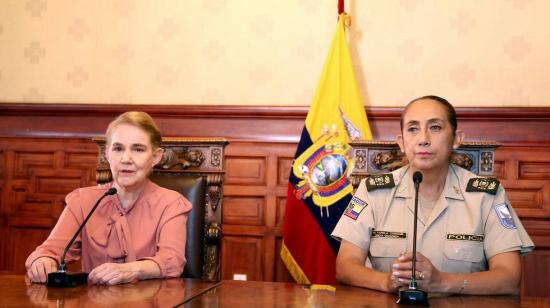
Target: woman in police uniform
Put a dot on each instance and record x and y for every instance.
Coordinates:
(469, 238)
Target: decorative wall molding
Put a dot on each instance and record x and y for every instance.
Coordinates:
(258, 123)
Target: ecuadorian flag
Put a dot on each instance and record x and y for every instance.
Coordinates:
(319, 187)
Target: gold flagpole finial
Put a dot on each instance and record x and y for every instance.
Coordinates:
(347, 20)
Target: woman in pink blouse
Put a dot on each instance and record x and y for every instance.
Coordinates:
(139, 233)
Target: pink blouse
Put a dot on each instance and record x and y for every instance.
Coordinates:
(153, 228)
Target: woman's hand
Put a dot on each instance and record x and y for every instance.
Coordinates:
(427, 276)
(114, 273)
(392, 281)
(40, 268)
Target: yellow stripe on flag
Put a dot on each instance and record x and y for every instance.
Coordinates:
(337, 92)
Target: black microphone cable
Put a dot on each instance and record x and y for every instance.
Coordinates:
(61, 267)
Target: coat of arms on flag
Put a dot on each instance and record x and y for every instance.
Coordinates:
(324, 169)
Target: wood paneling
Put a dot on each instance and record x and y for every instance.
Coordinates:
(38, 173)
(243, 255)
(284, 166)
(534, 170)
(524, 179)
(46, 151)
(245, 170)
(246, 196)
(244, 210)
(536, 267)
(22, 240)
(280, 214)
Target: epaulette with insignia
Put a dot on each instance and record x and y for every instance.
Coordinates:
(486, 185)
(376, 181)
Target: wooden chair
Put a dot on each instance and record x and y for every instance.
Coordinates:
(193, 167)
(376, 156)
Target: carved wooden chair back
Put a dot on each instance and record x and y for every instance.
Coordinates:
(376, 156)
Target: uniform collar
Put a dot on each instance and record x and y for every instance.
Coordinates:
(405, 186)
(452, 184)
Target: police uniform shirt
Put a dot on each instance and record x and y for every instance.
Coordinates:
(464, 229)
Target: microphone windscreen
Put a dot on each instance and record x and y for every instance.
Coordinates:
(111, 191)
(417, 177)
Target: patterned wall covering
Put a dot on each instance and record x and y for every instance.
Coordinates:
(242, 52)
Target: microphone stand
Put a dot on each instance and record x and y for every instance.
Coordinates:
(62, 278)
(412, 295)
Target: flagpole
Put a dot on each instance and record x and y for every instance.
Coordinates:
(340, 7)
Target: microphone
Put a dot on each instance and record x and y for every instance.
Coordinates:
(417, 179)
(412, 295)
(63, 278)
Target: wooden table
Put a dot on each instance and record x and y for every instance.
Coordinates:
(273, 294)
(14, 292)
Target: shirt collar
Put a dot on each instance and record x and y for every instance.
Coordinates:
(452, 184)
(405, 186)
(146, 191)
(405, 189)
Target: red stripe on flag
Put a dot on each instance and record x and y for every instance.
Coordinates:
(306, 242)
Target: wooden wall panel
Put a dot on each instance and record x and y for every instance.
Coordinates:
(46, 151)
(524, 179)
(241, 198)
(284, 165)
(37, 175)
(534, 170)
(22, 240)
(3, 216)
(243, 255)
(280, 213)
(536, 267)
(244, 210)
(245, 170)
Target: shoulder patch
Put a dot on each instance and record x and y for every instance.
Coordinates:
(486, 185)
(505, 217)
(355, 207)
(377, 181)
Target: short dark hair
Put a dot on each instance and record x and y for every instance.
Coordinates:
(449, 109)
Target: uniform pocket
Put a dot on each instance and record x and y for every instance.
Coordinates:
(383, 252)
(464, 251)
(387, 248)
(463, 256)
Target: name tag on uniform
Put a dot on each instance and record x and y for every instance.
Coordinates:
(465, 237)
(388, 234)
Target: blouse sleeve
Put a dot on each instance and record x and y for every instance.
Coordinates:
(60, 236)
(170, 253)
